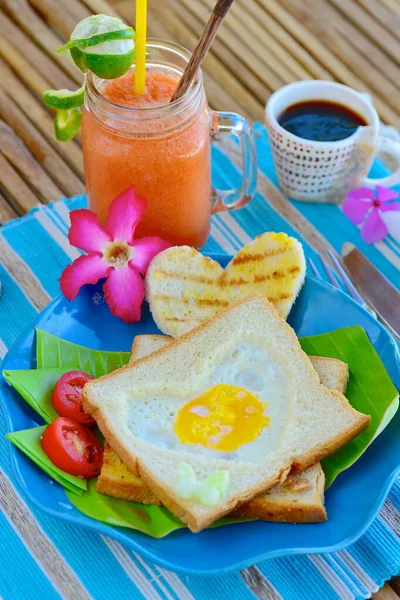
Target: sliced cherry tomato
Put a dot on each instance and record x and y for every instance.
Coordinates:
(67, 397)
(73, 448)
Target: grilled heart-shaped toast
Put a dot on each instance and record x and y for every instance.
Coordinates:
(184, 287)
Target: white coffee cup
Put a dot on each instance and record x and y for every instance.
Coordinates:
(326, 171)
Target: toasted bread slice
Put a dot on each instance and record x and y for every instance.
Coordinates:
(317, 421)
(184, 288)
(299, 500)
(118, 481)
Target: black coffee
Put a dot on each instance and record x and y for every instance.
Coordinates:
(320, 121)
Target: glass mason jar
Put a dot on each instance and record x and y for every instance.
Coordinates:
(164, 151)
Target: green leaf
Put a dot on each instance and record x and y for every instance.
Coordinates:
(36, 387)
(28, 441)
(94, 40)
(53, 352)
(370, 389)
(156, 521)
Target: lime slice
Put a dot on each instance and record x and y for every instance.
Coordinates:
(103, 45)
(105, 66)
(67, 124)
(95, 40)
(64, 99)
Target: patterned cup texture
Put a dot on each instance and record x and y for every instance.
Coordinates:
(311, 173)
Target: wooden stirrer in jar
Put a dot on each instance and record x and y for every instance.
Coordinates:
(203, 45)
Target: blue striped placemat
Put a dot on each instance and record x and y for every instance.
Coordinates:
(42, 557)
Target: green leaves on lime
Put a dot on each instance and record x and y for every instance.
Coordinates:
(64, 99)
(67, 123)
(103, 45)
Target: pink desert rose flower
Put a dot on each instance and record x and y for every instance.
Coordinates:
(113, 253)
(363, 205)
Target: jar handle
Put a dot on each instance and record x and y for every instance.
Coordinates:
(234, 124)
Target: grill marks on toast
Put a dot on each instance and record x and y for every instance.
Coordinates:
(199, 302)
(160, 273)
(222, 280)
(177, 320)
(279, 297)
(212, 302)
(244, 258)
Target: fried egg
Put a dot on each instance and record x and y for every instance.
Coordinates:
(239, 414)
(223, 418)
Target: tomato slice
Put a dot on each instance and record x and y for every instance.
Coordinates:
(73, 448)
(67, 397)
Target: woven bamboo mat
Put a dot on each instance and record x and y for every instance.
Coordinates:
(263, 45)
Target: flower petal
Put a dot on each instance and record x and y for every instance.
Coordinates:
(85, 269)
(124, 214)
(124, 293)
(374, 228)
(390, 206)
(385, 194)
(362, 193)
(85, 231)
(144, 250)
(357, 203)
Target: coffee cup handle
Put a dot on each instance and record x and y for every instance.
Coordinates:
(391, 147)
(236, 125)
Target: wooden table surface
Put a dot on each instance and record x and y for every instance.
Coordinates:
(263, 45)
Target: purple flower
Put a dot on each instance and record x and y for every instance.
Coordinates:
(364, 205)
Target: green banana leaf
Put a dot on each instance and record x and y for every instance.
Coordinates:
(29, 442)
(53, 352)
(370, 389)
(36, 387)
(156, 521)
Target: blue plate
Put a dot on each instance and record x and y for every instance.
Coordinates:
(352, 501)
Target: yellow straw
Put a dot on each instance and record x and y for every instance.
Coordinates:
(141, 31)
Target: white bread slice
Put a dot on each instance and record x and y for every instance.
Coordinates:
(300, 499)
(321, 420)
(184, 288)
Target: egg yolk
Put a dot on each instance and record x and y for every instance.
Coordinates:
(223, 418)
